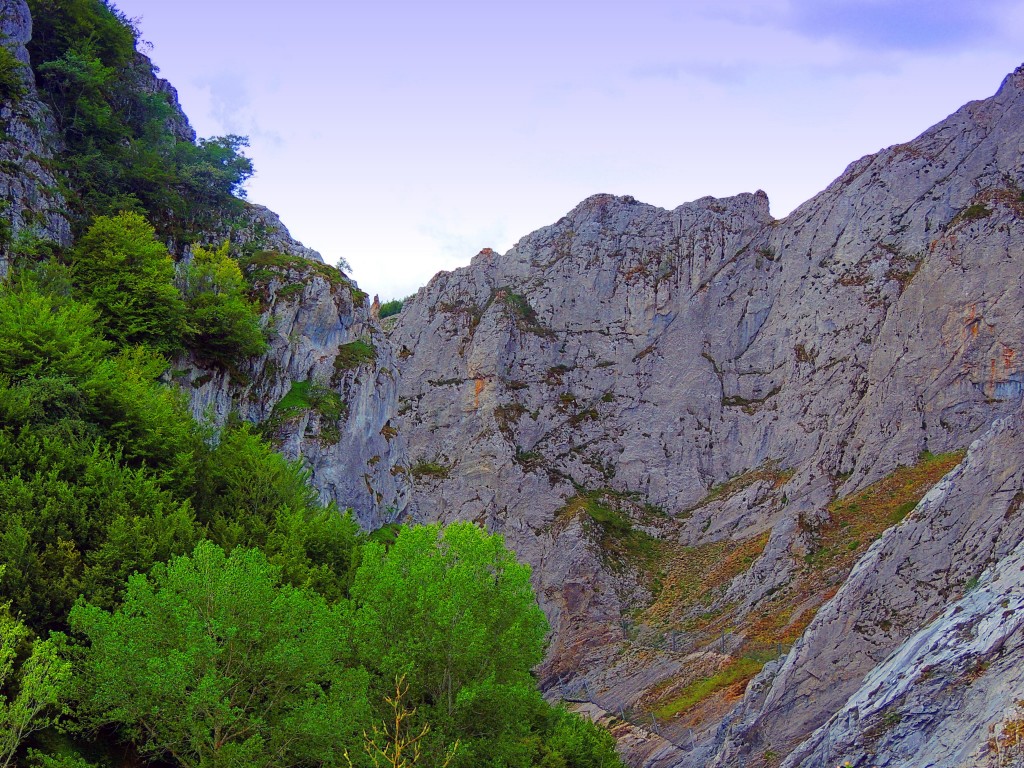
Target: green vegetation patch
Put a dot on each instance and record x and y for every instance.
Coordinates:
(770, 472)
(855, 522)
(351, 356)
(697, 576)
(620, 541)
(430, 468)
(263, 266)
(12, 86)
(524, 315)
(507, 414)
(306, 396)
(737, 673)
(391, 308)
(975, 212)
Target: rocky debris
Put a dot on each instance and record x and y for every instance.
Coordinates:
(30, 201)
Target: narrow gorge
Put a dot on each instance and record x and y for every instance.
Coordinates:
(768, 473)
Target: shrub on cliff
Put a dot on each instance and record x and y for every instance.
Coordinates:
(120, 267)
(223, 324)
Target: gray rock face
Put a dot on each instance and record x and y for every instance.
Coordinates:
(261, 228)
(944, 692)
(965, 523)
(31, 201)
(658, 353)
(318, 315)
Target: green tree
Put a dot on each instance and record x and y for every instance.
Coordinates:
(121, 268)
(389, 308)
(454, 613)
(37, 687)
(223, 324)
(212, 662)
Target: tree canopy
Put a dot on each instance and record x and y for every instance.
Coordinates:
(211, 661)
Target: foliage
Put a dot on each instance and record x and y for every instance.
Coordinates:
(211, 661)
(737, 672)
(305, 396)
(618, 537)
(454, 613)
(394, 745)
(1006, 748)
(105, 475)
(975, 212)
(120, 267)
(39, 685)
(427, 468)
(260, 267)
(223, 324)
(122, 149)
(573, 742)
(353, 355)
(12, 86)
(389, 308)
(102, 471)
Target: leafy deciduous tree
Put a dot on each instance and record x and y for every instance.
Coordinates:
(39, 684)
(210, 661)
(455, 614)
(223, 324)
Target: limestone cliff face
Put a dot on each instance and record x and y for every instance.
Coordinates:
(322, 336)
(28, 187)
(736, 375)
(878, 643)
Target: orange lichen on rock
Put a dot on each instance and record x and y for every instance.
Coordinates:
(479, 384)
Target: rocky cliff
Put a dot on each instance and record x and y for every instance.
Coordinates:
(32, 203)
(694, 424)
(665, 411)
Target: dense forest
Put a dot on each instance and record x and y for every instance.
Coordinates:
(175, 595)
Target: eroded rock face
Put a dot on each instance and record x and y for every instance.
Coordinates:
(28, 187)
(945, 691)
(967, 522)
(322, 337)
(659, 353)
(706, 380)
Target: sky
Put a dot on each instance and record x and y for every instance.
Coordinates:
(404, 136)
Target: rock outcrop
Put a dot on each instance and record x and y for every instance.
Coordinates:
(965, 524)
(32, 206)
(323, 338)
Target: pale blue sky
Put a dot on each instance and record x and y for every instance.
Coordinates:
(406, 136)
